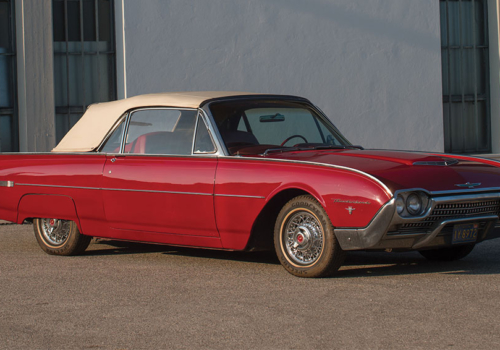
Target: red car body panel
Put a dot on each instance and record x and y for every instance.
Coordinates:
(76, 176)
(160, 194)
(211, 202)
(44, 205)
(397, 170)
(266, 178)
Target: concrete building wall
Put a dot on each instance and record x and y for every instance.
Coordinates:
(373, 66)
(35, 76)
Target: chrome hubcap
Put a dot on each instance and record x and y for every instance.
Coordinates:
(303, 238)
(55, 231)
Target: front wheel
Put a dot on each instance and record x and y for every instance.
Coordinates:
(448, 253)
(60, 237)
(304, 239)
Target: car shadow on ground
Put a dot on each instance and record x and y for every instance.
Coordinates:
(357, 264)
(111, 247)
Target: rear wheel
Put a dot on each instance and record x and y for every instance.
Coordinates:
(304, 239)
(448, 253)
(60, 237)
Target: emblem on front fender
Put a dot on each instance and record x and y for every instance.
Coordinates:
(469, 185)
(350, 210)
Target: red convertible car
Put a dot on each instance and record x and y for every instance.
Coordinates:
(240, 171)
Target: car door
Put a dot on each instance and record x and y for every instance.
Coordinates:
(156, 183)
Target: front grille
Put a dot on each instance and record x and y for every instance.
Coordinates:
(452, 211)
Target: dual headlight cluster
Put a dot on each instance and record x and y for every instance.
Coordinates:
(411, 203)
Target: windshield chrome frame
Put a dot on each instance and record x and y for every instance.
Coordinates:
(204, 119)
(220, 142)
(214, 131)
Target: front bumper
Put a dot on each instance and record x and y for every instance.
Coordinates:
(390, 231)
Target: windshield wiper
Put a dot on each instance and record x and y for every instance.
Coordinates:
(291, 149)
(338, 147)
(284, 149)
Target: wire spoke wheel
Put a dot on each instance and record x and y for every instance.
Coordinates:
(304, 238)
(60, 237)
(55, 231)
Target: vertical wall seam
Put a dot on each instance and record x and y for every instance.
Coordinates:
(124, 51)
(21, 81)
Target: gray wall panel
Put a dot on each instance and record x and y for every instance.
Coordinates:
(373, 66)
(35, 75)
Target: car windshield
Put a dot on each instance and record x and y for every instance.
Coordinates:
(254, 127)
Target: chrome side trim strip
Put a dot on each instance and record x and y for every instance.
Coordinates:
(134, 190)
(389, 192)
(153, 191)
(240, 196)
(60, 186)
(190, 156)
(82, 153)
(6, 183)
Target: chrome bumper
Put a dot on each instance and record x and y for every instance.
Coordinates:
(381, 233)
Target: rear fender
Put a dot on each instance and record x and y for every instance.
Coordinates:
(47, 206)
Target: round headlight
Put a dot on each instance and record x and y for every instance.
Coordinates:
(400, 204)
(414, 204)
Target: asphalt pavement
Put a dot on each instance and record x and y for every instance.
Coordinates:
(136, 296)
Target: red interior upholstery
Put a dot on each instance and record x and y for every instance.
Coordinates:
(162, 142)
(138, 146)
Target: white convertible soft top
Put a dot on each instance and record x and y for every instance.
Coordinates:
(93, 126)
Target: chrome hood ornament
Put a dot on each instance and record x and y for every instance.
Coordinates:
(469, 185)
(447, 162)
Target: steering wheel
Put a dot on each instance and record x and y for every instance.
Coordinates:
(293, 136)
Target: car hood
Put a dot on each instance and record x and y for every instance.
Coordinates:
(404, 170)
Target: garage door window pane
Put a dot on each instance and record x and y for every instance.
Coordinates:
(84, 57)
(8, 105)
(465, 67)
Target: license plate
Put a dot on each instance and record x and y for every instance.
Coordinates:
(464, 233)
